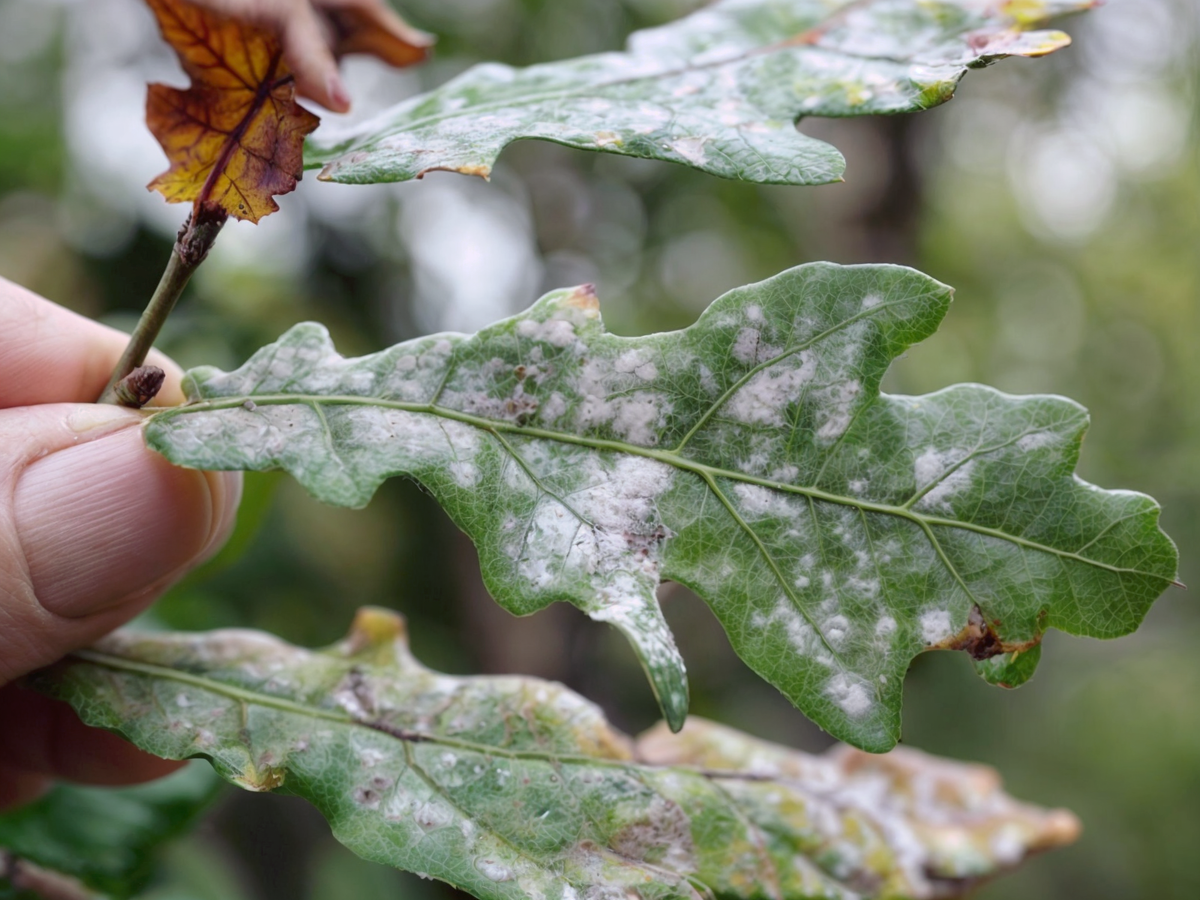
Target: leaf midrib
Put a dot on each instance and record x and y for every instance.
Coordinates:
(669, 457)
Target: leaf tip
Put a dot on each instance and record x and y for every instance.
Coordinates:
(376, 628)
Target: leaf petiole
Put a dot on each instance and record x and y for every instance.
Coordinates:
(195, 239)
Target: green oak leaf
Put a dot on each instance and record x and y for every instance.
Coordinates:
(513, 787)
(106, 839)
(836, 532)
(720, 90)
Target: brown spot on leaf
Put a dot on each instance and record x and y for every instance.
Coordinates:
(584, 297)
(980, 640)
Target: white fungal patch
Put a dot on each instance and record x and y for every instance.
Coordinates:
(431, 816)
(691, 149)
(638, 418)
(754, 313)
(935, 626)
(838, 407)
(764, 399)
(448, 760)
(871, 301)
(558, 332)
(758, 502)
(836, 629)
(745, 346)
(936, 475)
(1036, 441)
(493, 870)
(465, 474)
(885, 627)
(553, 408)
(851, 695)
(635, 362)
(800, 634)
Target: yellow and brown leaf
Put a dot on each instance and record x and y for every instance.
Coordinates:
(235, 137)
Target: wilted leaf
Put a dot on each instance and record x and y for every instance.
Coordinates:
(720, 90)
(235, 137)
(106, 838)
(512, 787)
(835, 532)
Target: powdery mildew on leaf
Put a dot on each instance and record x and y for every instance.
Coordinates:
(720, 90)
(835, 532)
(512, 787)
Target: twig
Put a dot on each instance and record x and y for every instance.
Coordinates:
(194, 241)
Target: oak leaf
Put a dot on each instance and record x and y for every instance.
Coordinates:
(235, 137)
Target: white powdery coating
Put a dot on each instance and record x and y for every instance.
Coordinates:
(836, 629)
(801, 635)
(935, 626)
(1036, 440)
(691, 149)
(850, 695)
(933, 467)
(885, 626)
(635, 417)
(465, 474)
(839, 411)
(554, 407)
(558, 332)
(635, 362)
(765, 397)
(757, 502)
(745, 346)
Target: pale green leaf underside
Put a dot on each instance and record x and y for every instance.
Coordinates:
(834, 531)
(720, 90)
(515, 788)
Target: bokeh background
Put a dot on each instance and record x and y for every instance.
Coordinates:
(1060, 197)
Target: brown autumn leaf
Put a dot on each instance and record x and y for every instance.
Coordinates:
(235, 137)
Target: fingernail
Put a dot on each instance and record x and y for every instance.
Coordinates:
(105, 521)
(337, 92)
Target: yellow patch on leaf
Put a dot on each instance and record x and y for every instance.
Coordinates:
(235, 138)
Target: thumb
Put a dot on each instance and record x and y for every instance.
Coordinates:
(93, 527)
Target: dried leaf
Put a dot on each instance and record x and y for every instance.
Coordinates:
(719, 90)
(835, 531)
(512, 787)
(235, 137)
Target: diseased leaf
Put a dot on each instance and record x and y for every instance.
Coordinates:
(235, 137)
(512, 787)
(106, 838)
(720, 90)
(835, 532)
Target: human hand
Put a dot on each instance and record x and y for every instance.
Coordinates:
(316, 32)
(93, 528)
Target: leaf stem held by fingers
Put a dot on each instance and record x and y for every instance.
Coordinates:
(195, 240)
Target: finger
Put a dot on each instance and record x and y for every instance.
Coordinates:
(93, 527)
(50, 355)
(306, 51)
(372, 27)
(41, 738)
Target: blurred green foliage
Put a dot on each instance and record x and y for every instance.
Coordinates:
(1060, 197)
